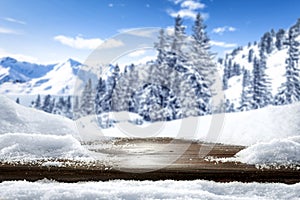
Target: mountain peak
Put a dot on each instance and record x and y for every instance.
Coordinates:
(73, 62)
(8, 59)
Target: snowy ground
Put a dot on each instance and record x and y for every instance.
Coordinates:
(198, 189)
(23, 147)
(28, 134)
(244, 128)
(15, 118)
(276, 152)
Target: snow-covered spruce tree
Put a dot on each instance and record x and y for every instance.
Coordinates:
(250, 55)
(261, 84)
(290, 90)
(161, 47)
(63, 107)
(179, 39)
(37, 103)
(280, 39)
(102, 104)
(169, 88)
(153, 90)
(59, 106)
(104, 100)
(229, 107)
(48, 104)
(227, 73)
(76, 109)
(247, 94)
(237, 69)
(199, 53)
(68, 108)
(266, 43)
(201, 59)
(87, 101)
(225, 80)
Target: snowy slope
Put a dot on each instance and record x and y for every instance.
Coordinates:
(244, 128)
(15, 118)
(21, 78)
(198, 189)
(275, 62)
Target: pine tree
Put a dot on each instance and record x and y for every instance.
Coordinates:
(76, 110)
(250, 55)
(161, 46)
(179, 38)
(87, 101)
(246, 96)
(47, 104)
(202, 61)
(18, 100)
(199, 33)
(103, 97)
(59, 106)
(261, 85)
(237, 69)
(290, 90)
(68, 108)
(266, 43)
(229, 107)
(37, 103)
(280, 39)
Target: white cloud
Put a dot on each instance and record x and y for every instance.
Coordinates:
(111, 43)
(7, 31)
(192, 5)
(222, 44)
(82, 43)
(141, 32)
(221, 30)
(9, 19)
(111, 5)
(137, 53)
(184, 13)
(20, 57)
(78, 42)
(188, 9)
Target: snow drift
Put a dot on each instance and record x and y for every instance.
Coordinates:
(31, 147)
(198, 189)
(243, 128)
(276, 152)
(15, 118)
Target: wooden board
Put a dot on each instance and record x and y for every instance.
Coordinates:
(153, 159)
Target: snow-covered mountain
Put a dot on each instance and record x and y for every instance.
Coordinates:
(242, 58)
(23, 78)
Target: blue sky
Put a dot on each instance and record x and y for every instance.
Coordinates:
(48, 31)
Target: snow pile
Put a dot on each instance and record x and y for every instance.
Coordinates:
(32, 147)
(198, 189)
(276, 152)
(15, 118)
